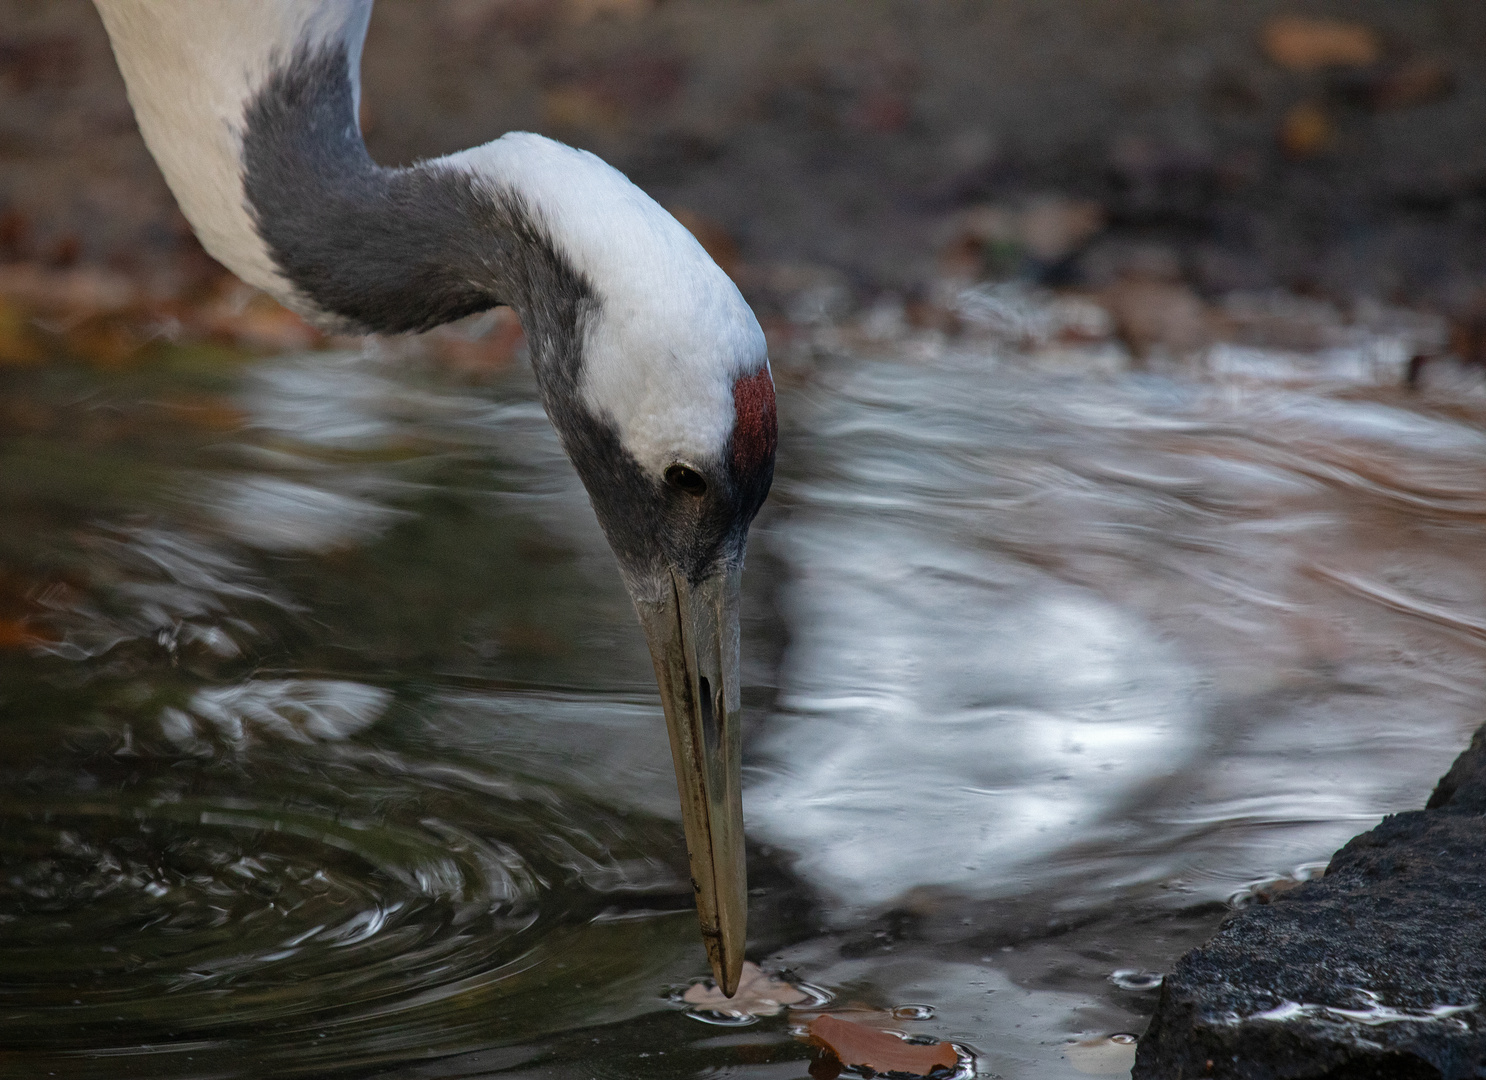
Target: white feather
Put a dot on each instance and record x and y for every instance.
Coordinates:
(190, 67)
(674, 333)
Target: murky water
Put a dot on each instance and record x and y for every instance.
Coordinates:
(330, 743)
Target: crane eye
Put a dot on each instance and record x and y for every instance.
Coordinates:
(685, 479)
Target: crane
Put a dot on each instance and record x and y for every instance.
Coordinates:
(650, 364)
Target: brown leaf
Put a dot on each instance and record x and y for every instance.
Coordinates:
(105, 342)
(82, 291)
(867, 1048)
(1305, 131)
(1052, 227)
(759, 994)
(207, 412)
(17, 345)
(484, 353)
(1151, 313)
(255, 319)
(1299, 44)
(714, 238)
(1417, 82)
(17, 634)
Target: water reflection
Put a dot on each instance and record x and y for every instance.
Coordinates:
(360, 902)
(1030, 615)
(299, 710)
(951, 715)
(332, 743)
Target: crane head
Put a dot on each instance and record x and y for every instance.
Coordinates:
(655, 373)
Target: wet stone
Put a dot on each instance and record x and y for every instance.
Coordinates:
(1377, 969)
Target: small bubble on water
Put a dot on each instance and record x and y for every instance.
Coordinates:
(1135, 979)
(913, 1012)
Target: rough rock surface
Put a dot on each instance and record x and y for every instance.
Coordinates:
(1377, 969)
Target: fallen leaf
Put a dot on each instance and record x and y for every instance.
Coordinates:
(105, 343)
(1305, 131)
(861, 1047)
(17, 345)
(759, 994)
(1300, 44)
(582, 11)
(580, 108)
(492, 350)
(1052, 226)
(994, 238)
(1416, 82)
(255, 319)
(1151, 313)
(18, 634)
(715, 240)
(82, 291)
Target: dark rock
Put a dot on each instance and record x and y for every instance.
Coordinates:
(1464, 786)
(1377, 969)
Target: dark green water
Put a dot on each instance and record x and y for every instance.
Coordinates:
(330, 745)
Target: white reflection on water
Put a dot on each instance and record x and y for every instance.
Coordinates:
(1114, 644)
(169, 586)
(344, 401)
(950, 717)
(299, 710)
(1153, 629)
(1164, 628)
(276, 514)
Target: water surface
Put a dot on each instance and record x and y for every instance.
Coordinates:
(332, 745)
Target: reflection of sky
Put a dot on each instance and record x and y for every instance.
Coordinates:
(1152, 630)
(949, 718)
(312, 414)
(298, 710)
(277, 514)
(1033, 621)
(1120, 643)
(1042, 626)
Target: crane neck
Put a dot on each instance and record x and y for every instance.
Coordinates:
(389, 249)
(250, 109)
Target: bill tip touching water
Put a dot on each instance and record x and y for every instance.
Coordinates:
(651, 366)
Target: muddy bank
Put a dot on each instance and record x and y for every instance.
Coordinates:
(1375, 970)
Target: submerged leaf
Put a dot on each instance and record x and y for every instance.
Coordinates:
(860, 1047)
(759, 994)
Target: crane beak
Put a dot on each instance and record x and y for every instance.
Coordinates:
(693, 636)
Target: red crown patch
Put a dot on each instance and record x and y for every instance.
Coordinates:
(755, 427)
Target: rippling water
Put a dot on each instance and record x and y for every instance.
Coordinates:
(332, 746)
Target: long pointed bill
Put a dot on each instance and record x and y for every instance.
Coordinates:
(693, 637)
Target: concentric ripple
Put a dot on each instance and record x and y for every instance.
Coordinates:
(352, 916)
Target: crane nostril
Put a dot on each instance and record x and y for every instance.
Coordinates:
(711, 736)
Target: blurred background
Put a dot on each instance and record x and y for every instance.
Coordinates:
(878, 147)
(1123, 558)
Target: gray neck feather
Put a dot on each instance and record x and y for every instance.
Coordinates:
(407, 249)
(389, 249)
